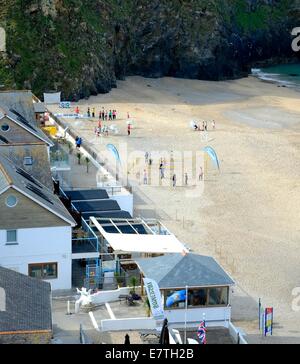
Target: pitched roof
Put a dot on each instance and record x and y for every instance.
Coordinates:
(18, 106)
(40, 167)
(27, 303)
(178, 271)
(33, 189)
(3, 180)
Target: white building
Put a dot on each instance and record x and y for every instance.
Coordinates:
(35, 228)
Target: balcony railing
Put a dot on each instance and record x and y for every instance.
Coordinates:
(85, 245)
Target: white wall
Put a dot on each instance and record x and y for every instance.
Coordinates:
(40, 245)
(236, 334)
(213, 315)
(125, 202)
(139, 323)
(108, 296)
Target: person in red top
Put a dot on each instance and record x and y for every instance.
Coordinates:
(77, 110)
(128, 129)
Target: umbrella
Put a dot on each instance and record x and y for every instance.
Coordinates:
(127, 340)
(164, 335)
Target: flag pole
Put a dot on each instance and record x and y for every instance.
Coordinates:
(185, 315)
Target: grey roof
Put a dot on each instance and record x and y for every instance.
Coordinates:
(28, 303)
(40, 167)
(20, 102)
(39, 107)
(178, 271)
(36, 191)
(3, 181)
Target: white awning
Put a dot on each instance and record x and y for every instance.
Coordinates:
(141, 243)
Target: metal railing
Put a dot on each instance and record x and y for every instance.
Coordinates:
(90, 150)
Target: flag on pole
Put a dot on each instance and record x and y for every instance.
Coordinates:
(155, 298)
(201, 333)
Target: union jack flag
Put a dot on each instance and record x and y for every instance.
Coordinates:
(201, 332)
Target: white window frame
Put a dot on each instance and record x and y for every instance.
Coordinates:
(12, 242)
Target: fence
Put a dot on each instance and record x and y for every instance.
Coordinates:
(96, 156)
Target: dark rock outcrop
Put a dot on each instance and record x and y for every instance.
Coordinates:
(83, 46)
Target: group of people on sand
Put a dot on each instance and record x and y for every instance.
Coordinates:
(204, 126)
(102, 115)
(162, 169)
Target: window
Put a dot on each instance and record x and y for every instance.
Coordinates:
(28, 161)
(11, 237)
(175, 299)
(5, 127)
(43, 270)
(218, 296)
(198, 297)
(11, 201)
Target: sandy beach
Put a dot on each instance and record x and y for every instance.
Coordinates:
(248, 216)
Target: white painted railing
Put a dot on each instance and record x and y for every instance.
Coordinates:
(139, 323)
(236, 334)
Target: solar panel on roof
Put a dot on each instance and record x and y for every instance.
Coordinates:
(96, 206)
(83, 195)
(38, 192)
(28, 177)
(109, 214)
(22, 119)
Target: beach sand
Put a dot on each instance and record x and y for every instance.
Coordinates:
(248, 215)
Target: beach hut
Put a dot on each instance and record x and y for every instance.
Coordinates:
(206, 283)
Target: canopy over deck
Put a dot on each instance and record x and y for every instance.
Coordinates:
(137, 236)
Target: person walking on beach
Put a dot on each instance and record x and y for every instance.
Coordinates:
(205, 125)
(77, 110)
(128, 130)
(149, 159)
(213, 125)
(78, 141)
(145, 177)
(114, 113)
(89, 112)
(146, 157)
(93, 112)
(201, 174)
(128, 116)
(174, 180)
(110, 115)
(105, 130)
(103, 113)
(161, 170)
(186, 179)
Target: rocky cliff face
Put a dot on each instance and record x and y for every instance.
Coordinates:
(82, 46)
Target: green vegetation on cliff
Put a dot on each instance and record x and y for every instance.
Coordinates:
(82, 46)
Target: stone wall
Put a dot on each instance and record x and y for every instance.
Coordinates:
(30, 338)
